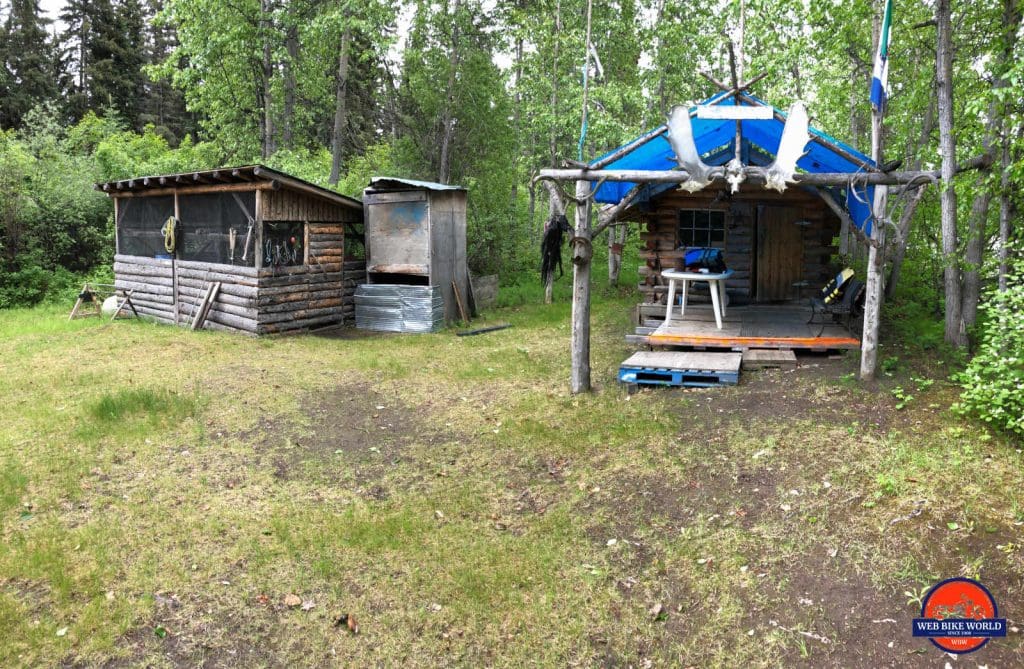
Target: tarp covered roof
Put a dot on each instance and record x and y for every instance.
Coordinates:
(714, 139)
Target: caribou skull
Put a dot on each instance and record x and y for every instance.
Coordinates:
(791, 149)
(680, 137)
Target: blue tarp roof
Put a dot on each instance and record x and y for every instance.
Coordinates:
(714, 139)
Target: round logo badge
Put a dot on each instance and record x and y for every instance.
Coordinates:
(959, 615)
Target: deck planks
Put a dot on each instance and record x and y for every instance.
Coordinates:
(753, 326)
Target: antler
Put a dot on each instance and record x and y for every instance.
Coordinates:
(791, 149)
(680, 137)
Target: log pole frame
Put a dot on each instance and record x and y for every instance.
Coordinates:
(174, 262)
(582, 253)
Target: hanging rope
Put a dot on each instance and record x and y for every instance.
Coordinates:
(170, 233)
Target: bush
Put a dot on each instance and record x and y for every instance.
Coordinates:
(994, 379)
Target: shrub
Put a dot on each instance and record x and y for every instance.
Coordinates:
(994, 379)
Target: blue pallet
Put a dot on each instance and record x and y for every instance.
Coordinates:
(691, 378)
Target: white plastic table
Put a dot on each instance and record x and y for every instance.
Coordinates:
(716, 283)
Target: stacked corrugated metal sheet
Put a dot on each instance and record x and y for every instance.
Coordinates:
(392, 307)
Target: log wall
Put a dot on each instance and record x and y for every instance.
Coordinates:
(258, 301)
(658, 238)
(250, 301)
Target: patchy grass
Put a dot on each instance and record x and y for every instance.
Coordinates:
(162, 492)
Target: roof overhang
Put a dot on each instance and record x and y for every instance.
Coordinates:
(249, 177)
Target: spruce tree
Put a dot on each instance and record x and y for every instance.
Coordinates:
(27, 56)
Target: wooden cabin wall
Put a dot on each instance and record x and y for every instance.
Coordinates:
(303, 297)
(326, 243)
(658, 235)
(249, 301)
(289, 205)
(152, 284)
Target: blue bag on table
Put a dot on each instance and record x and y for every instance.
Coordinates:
(707, 258)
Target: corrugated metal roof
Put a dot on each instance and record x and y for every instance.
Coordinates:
(398, 182)
(823, 154)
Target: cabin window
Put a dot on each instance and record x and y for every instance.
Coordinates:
(284, 243)
(700, 227)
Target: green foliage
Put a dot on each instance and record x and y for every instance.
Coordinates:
(994, 379)
(55, 228)
(903, 398)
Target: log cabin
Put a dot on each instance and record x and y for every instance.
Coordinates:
(282, 249)
(781, 246)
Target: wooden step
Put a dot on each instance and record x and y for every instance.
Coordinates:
(765, 358)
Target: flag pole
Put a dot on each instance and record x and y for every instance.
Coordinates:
(876, 252)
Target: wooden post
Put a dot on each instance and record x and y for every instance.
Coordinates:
(582, 251)
(876, 252)
(876, 264)
(174, 262)
(117, 236)
(258, 232)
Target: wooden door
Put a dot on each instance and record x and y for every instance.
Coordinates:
(780, 254)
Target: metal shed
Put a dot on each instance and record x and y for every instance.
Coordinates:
(416, 236)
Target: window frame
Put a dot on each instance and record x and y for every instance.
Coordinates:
(709, 229)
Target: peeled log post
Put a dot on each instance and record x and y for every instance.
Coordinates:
(873, 294)
(582, 251)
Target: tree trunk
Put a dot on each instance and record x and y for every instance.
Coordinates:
(971, 288)
(907, 217)
(955, 334)
(448, 118)
(616, 241)
(1012, 18)
(267, 73)
(899, 249)
(340, 107)
(1005, 212)
(290, 86)
(552, 133)
(517, 102)
(582, 252)
(974, 253)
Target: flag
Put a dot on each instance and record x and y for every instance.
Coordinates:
(880, 77)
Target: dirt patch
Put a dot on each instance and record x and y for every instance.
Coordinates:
(355, 433)
(200, 634)
(817, 390)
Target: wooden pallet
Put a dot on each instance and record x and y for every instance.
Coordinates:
(672, 368)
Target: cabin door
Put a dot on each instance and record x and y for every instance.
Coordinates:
(779, 254)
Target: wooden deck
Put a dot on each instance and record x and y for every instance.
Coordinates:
(746, 327)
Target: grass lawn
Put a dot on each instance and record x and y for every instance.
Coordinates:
(170, 498)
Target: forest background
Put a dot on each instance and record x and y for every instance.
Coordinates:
(484, 93)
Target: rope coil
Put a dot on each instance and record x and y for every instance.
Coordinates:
(170, 233)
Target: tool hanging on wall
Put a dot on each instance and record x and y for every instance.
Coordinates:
(170, 233)
(232, 237)
(248, 238)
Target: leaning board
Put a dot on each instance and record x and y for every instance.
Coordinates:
(675, 368)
